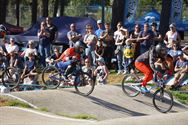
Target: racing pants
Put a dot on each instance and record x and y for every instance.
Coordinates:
(146, 70)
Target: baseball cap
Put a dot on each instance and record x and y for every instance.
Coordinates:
(99, 21)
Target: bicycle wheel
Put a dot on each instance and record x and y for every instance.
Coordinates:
(163, 100)
(84, 84)
(10, 78)
(51, 77)
(130, 85)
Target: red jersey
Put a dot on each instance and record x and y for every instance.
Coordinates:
(70, 52)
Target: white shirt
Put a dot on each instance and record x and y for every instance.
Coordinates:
(29, 50)
(11, 48)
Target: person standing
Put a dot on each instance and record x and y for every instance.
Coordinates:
(145, 38)
(109, 44)
(44, 43)
(52, 30)
(91, 41)
(99, 31)
(72, 35)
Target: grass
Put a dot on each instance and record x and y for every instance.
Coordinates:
(181, 97)
(12, 102)
(79, 116)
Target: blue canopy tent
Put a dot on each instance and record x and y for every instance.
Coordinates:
(63, 25)
(151, 16)
(154, 16)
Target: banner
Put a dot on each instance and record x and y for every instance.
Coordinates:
(130, 10)
(176, 11)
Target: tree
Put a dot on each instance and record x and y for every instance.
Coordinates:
(165, 16)
(3, 8)
(62, 7)
(34, 12)
(56, 4)
(117, 12)
(45, 8)
(18, 12)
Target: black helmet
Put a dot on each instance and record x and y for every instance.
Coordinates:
(79, 45)
(161, 50)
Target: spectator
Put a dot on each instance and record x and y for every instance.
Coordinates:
(99, 51)
(157, 36)
(174, 52)
(99, 31)
(91, 41)
(54, 56)
(120, 36)
(87, 67)
(53, 31)
(172, 35)
(181, 69)
(44, 43)
(101, 71)
(12, 46)
(30, 67)
(30, 49)
(72, 35)
(133, 39)
(109, 44)
(185, 52)
(128, 60)
(145, 38)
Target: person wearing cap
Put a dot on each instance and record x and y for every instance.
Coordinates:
(101, 72)
(31, 49)
(73, 35)
(100, 29)
(157, 36)
(172, 35)
(181, 69)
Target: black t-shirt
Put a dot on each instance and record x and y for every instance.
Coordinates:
(52, 29)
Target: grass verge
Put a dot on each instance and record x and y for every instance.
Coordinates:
(12, 102)
(79, 116)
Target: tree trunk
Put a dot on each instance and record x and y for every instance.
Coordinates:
(34, 12)
(62, 5)
(18, 12)
(3, 8)
(117, 12)
(165, 17)
(45, 8)
(55, 8)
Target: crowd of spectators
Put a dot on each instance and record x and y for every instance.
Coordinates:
(102, 46)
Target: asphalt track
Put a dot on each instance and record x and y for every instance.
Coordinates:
(108, 104)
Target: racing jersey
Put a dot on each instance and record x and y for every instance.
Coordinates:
(149, 58)
(69, 53)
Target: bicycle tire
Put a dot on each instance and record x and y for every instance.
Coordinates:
(128, 83)
(163, 100)
(51, 77)
(84, 84)
(10, 77)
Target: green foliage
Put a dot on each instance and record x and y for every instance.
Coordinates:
(182, 97)
(44, 109)
(80, 116)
